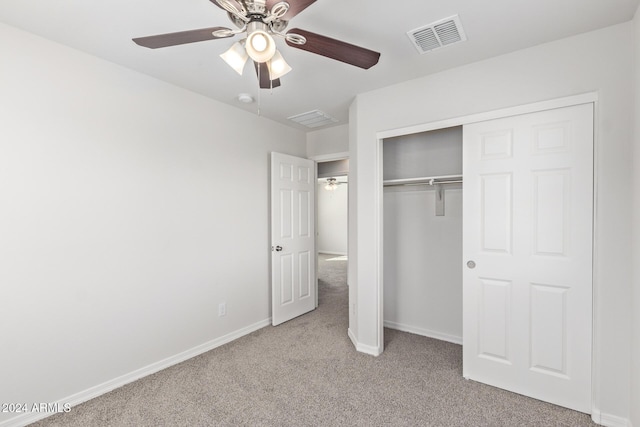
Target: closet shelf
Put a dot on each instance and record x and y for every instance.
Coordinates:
(428, 180)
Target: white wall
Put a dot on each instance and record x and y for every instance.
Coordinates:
(332, 219)
(576, 65)
(635, 308)
(423, 154)
(129, 209)
(422, 270)
(329, 141)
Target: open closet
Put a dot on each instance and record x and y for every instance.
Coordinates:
(422, 177)
(505, 268)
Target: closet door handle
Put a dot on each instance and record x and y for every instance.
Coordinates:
(471, 264)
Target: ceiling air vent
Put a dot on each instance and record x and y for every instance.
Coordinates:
(313, 119)
(437, 34)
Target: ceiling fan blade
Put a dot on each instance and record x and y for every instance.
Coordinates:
(181, 37)
(295, 7)
(263, 76)
(336, 49)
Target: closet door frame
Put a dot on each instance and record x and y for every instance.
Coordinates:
(587, 98)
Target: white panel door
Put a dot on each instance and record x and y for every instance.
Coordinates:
(528, 220)
(293, 261)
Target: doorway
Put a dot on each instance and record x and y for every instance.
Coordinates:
(422, 202)
(332, 197)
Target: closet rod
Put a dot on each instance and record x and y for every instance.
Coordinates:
(430, 180)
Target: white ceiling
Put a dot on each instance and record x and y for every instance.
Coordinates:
(105, 29)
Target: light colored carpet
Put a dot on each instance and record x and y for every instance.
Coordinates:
(307, 373)
(332, 271)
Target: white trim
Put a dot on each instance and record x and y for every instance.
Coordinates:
(100, 389)
(595, 372)
(332, 253)
(329, 157)
(362, 348)
(378, 217)
(423, 332)
(315, 228)
(569, 101)
(609, 420)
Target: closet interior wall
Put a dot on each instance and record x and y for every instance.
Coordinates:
(422, 250)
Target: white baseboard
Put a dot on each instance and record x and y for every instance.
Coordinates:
(609, 420)
(333, 253)
(363, 348)
(424, 332)
(98, 390)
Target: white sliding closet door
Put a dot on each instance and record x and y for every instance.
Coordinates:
(528, 217)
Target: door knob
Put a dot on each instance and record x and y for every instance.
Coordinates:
(278, 248)
(471, 264)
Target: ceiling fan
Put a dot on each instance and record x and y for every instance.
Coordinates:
(262, 20)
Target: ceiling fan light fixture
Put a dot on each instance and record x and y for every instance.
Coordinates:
(278, 67)
(332, 184)
(260, 46)
(236, 57)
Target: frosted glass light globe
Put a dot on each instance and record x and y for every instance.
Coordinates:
(260, 46)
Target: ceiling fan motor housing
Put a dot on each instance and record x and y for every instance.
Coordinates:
(255, 7)
(257, 11)
(254, 11)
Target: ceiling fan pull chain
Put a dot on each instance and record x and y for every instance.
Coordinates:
(259, 93)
